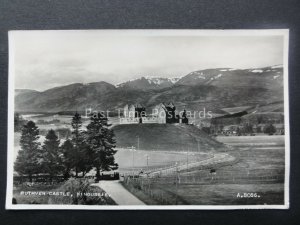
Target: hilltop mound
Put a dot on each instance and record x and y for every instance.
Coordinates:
(167, 137)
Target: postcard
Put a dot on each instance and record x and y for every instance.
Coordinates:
(148, 119)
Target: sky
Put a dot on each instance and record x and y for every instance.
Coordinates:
(46, 59)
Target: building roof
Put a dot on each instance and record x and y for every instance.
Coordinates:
(136, 106)
(235, 110)
(169, 105)
(278, 126)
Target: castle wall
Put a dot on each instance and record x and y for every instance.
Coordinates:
(159, 115)
(149, 120)
(126, 111)
(129, 120)
(131, 111)
(153, 119)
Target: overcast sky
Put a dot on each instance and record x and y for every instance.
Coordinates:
(44, 59)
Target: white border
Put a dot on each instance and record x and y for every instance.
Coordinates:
(10, 131)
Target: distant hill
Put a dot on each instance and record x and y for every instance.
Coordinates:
(64, 98)
(267, 77)
(24, 91)
(212, 89)
(169, 137)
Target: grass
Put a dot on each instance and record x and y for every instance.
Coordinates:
(156, 159)
(25, 199)
(73, 191)
(165, 137)
(259, 169)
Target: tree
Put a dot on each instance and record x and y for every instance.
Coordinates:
(28, 158)
(206, 129)
(248, 128)
(101, 142)
(67, 150)
(238, 131)
(18, 122)
(80, 152)
(52, 156)
(270, 129)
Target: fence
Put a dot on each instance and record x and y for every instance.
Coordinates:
(164, 189)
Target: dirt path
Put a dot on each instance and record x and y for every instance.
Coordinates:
(118, 193)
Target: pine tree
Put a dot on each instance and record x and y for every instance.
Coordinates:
(101, 141)
(28, 158)
(52, 156)
(79, 156)
(67, 150)
(18, 122)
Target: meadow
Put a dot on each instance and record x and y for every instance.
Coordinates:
(257, 175)
(141, 160)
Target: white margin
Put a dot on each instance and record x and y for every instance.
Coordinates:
(10, 130)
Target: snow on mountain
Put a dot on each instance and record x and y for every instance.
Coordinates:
(275, 77)
(218, 76)
(209, 88)
(149, 82)
(174, 79)
(277, 66)
(257, 71)
(221, 77)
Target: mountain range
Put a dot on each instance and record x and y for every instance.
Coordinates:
(149, 83)
(213, 89)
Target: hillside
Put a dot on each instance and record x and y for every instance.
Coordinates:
(267, 77)
(65, 98)
(24, 91)
(212, 89)
(169, 137)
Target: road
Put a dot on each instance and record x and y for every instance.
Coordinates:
(217, 158)
(118, 193)
(123, 197)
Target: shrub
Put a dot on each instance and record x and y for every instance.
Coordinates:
(81, 193)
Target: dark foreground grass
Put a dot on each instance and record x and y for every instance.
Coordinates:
(208, 194)
(26, 199)
(71, 192)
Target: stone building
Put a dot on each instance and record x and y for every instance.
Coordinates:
(161, 113)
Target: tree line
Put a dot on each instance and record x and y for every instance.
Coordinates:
(243, 129)
(79, 154)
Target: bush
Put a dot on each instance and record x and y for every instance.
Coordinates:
(270, 129)
(81, 193)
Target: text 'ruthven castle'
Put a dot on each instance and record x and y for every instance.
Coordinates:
(162, 113)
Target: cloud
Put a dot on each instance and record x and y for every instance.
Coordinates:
(45, 59)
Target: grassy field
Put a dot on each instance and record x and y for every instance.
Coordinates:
(258, 172)
(129, 160)
(248, 141)
(165, 137)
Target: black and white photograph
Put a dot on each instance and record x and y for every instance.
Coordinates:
(148, 119)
